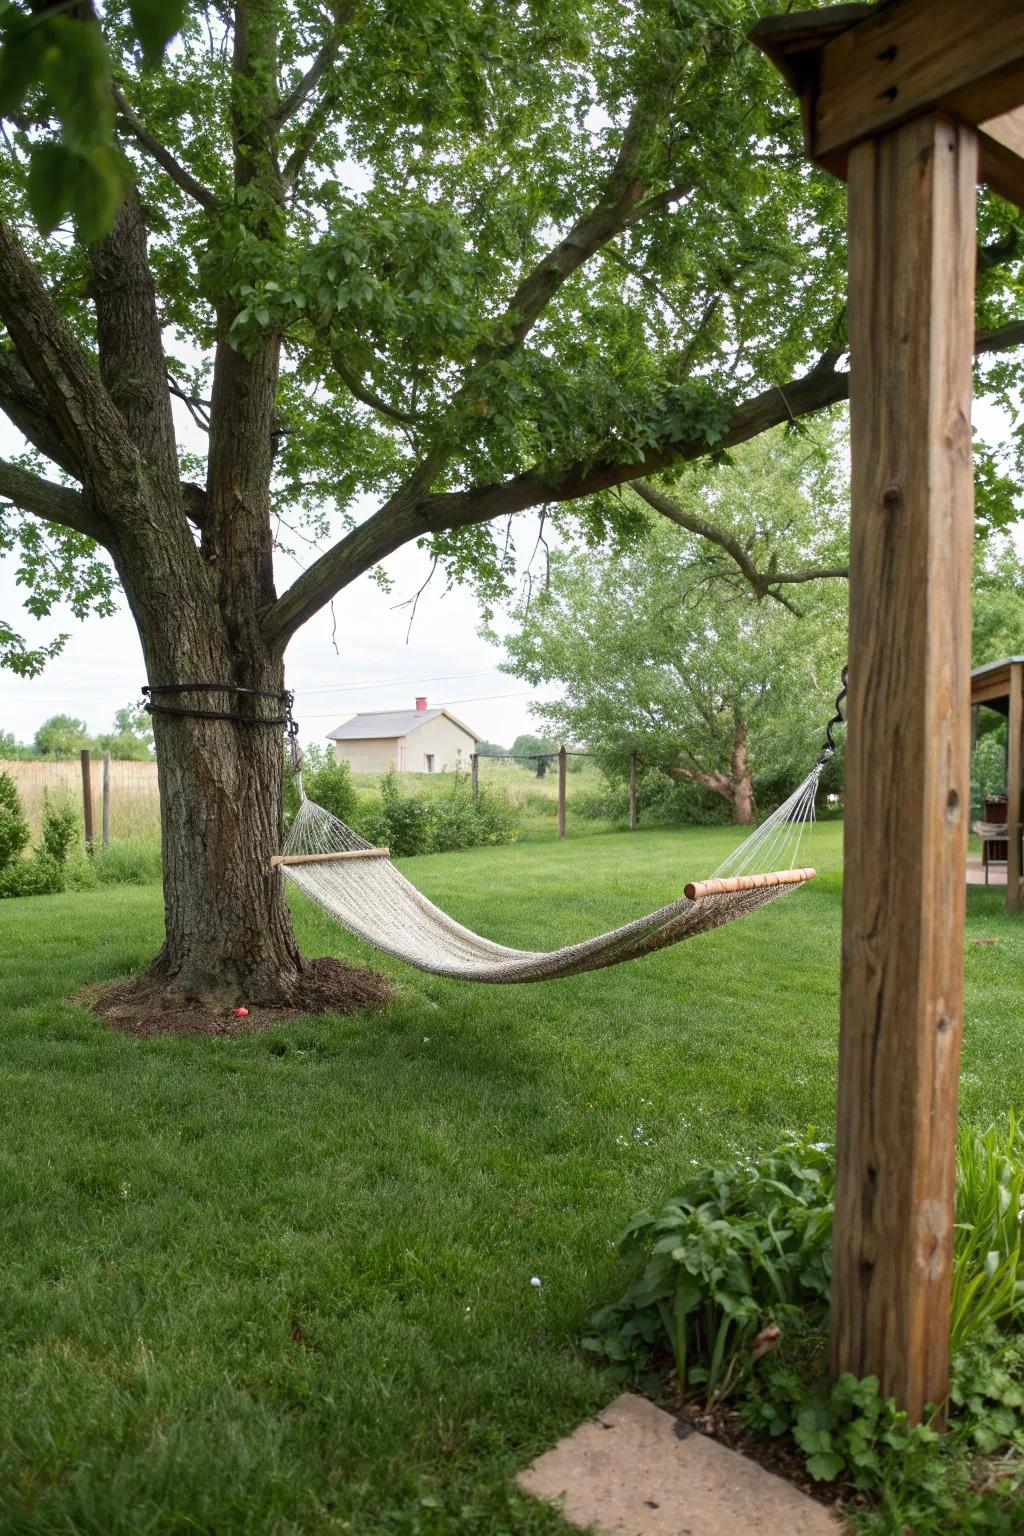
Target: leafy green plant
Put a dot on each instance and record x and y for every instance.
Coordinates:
(732, 1278)
(14, 833)
(736, 1252)
(60, 828)
(988, 1268)
(40, 875)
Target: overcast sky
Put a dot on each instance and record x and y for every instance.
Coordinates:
(374, 668)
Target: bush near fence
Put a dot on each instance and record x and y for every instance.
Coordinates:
(134, 801)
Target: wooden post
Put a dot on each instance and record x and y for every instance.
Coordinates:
(87, 797)
(561, 792)
(1014, 752)
(633, 818)
(475, 773)
(912, 242)
(106, 799)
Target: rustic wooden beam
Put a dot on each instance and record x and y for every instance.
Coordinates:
(911, 260)
(909, 57)
(1001, 155)
(861, 70)
(1014, 786)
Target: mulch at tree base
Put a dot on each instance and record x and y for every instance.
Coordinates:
(143, 1005)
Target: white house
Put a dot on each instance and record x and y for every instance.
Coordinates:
(419, 740)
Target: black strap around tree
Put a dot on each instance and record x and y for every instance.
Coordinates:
(276, 721)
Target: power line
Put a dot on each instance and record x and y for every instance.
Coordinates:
(482, 698)
(345, 688)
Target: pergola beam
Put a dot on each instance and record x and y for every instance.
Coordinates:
(861, 70)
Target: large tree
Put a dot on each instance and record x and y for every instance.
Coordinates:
(456, 259)
(668, 649)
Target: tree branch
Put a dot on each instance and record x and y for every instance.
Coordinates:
(26, 409)
(87, 419)
(410, 516)
(52, 502)
(620, 204)
(314, 74)
(176, 171)
(761, 582)
(1003, 339)
(131, 352)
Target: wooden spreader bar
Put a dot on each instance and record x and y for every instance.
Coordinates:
(324, 858)
(698, 888)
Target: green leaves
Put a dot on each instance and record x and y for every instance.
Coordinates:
(55, 69)
(156, 22)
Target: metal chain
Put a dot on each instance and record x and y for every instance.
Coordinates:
(292, 731)
(829, 746)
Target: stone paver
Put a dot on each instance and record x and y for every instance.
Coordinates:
(628, 1473)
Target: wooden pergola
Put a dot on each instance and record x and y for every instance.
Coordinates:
(912, 102)
(1000, 686)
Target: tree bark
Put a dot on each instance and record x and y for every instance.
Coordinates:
(741, 780)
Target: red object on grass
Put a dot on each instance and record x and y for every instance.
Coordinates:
(241, 1013)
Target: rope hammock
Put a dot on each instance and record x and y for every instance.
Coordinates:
(358, 886)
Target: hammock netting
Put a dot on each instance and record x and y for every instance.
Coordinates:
(360, 888)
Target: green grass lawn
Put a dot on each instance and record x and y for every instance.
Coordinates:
(282, 1284)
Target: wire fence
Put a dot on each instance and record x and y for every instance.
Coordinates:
(132, 798)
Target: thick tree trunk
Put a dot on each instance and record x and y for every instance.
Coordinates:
(741, 780)
(228, 931)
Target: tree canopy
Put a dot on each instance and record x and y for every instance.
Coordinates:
(665, 650)
(516, 255)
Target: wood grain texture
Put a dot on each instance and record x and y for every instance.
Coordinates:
(327, 858)
(1001, 155)
(1014, 748)
(912, 241)
(698, 888)
(915, 56)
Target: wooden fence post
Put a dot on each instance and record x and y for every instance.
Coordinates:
(633, 818)
(106, 799)
(475, 773)
(561, 792)
(911, 309)
(87, 797)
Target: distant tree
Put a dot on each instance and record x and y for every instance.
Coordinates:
(11, 749)
(665, 649)
(132, 736)
(998, 608)
(62, 736)
(491, 749)
(538, 750)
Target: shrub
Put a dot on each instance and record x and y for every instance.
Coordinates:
(460, 821)
(405, 819)
(14, 832)
(60, 828)
(731, 1277)
(40, 875)
(661, 802)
